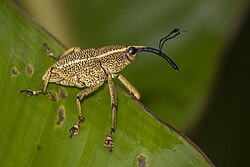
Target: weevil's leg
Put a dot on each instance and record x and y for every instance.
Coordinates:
(69, 51)
(43, 91)
(129, 86)
(75, 129)
(51, 54)
(109, 143)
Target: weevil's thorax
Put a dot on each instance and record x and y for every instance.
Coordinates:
(115, 58)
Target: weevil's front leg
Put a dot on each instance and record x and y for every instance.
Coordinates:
(109, 143)
(129, 86)
(75, 129)
(43, 91)
(51, 54)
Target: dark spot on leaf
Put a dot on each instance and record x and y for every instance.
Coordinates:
(38, 147)
(54, 96)
(63, 93)
(61, 115)
(98, 99)
(14, 71)
(142, 160)
(30, 69)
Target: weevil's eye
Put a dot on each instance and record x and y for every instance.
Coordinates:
(132, 50)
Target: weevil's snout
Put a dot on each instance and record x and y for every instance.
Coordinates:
(132, 51)
(157, 52)
(135, 49)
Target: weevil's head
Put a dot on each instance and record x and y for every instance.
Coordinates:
(132, 51)
(115, 58)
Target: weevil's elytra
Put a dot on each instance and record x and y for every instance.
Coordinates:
(91, 68)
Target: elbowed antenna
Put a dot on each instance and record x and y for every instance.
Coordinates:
(171, 35)
(158, 52)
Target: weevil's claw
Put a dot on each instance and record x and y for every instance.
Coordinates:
(74, 130)
(109, 142)
(29, 92)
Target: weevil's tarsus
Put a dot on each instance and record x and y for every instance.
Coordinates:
(49, 52)
(109, 142)
(75, 129)
(171, 35)
(29, 92)
(45, 84)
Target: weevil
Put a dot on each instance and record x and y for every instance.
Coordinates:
(91, 68)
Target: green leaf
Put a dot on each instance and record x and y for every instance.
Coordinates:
(30, 134)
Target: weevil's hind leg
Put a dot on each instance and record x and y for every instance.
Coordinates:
(75, 129)
(109, 143)
(69, 51)
(43, 91)
(129, 86)
(51, 54)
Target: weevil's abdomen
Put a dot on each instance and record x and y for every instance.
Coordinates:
(76, 72)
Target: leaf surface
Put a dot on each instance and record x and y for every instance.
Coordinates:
(30, 135)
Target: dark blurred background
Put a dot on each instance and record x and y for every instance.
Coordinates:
(224, 131)
(208, 98)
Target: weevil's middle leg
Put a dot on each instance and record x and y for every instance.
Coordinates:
(75, 129)
(44, 87)
(109, 143)
(51, 54)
